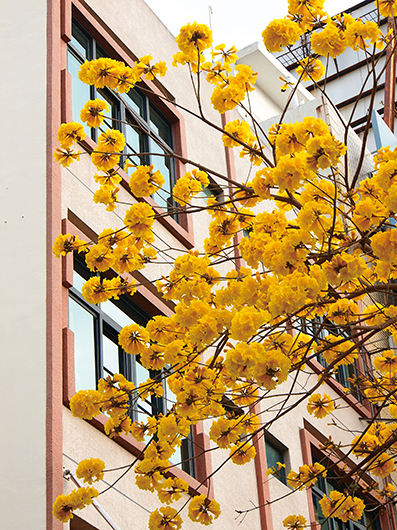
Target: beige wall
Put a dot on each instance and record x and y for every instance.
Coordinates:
(23, 264)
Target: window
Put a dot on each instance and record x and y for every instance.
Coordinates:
(98, 354)
(145, 128)
(214, 191)
(324, 485)
(276, 453)
(319, 328)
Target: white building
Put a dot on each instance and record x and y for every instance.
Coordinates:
(52, 341)
(347, 74)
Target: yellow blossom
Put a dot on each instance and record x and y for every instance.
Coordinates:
(294, 522)
(86, 404)
(310, 69)
(242, 453)
(203, 510)
(280, 33)
(90, 470)
(70, 133)
(93, 112)
(320, 406)
(165, 519)
(133, 339)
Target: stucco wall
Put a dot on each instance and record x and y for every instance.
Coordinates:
(23, 264)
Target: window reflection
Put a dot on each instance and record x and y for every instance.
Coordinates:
(81, 322)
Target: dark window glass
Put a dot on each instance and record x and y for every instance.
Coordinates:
(324, 485)
(135, 101)
(275, 453)
(112, 113)
(134, 142)
(81, 42)
(160, 126)
(96, 329)
(112, 363)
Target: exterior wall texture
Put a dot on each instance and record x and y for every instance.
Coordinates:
(23, 267)
(38, 201)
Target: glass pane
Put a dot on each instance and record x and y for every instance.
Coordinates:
(116, 314)
(170, 397)
(111, 113)
(160, 126)
(142, 408)
(134, 141)
(100, 52)
(80, 91)
(162, 164)
(78, 281)
(81, 42)
(273, 456)
(318, 514)
(135, 101)
(82, 323)
(111, 364)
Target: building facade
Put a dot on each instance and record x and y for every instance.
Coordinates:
(54, 343)
(348, 83)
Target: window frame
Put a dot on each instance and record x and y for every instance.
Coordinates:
(312, 445)
(274, 444)
(156, 405)
(157, 92)
(103, 320)
(121, 109)
(339, 380)
(318, 493)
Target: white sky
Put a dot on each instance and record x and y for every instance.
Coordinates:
(238, 22)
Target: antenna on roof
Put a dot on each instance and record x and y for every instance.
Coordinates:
(210, 12)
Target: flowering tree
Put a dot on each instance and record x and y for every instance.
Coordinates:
(320, 248)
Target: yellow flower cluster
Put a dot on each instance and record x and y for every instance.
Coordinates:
(65, 505)
(320, 406)
(203, 510)
(231, 90)
(307, 476)
(310, 69)
(68, 134)
(295, 522)
(192, 41)
(90, 470)
(144, 181)
(342, 506)
(387, 8)
(280, 33)
(189, 185)
(93, 112)
(165, 519)
(150, 71)
(66, 243)
(116, 75)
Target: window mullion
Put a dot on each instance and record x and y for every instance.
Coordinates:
(134, 379)
(93, 49)
(99, 347)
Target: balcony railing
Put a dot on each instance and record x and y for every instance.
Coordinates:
(303, 48)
